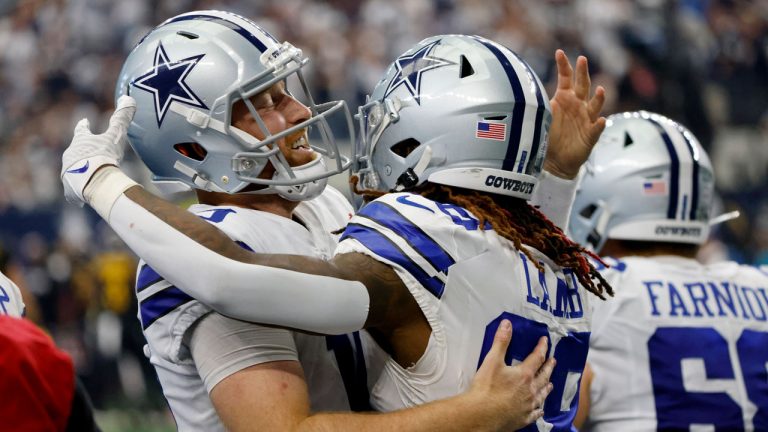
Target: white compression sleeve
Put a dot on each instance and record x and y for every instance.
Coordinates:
(554, 196)
(243, 291)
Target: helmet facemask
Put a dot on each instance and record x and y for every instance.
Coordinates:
(234, 72)
(373, 118)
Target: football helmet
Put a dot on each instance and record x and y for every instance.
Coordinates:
(456, 110)
(187, 73)
(647, 179)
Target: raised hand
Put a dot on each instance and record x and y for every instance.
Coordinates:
(576, 121)
(518, 392)
(88, 152)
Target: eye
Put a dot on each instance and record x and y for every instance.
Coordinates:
(263, 100)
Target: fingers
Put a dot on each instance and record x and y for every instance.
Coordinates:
(535, 415)
(501, 340)
(544, 372)
(541, 386)
(541, 395)
(544, 393)
(595, 105)
(124, 111)
(536, 358)
(125, 101)
(596, 130)
(83, 127)
(583, 82)
(564, 71)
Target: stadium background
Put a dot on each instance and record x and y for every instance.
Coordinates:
(702, 62)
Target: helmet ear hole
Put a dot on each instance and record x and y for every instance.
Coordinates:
(405, 147)
(588, 211)
(191, 150)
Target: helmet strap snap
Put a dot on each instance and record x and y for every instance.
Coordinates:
(407, 180)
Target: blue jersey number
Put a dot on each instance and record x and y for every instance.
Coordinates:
(570, 353)
(460, 216)
(676, 408)
(4, 298)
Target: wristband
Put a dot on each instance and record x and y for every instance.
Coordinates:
(105, 187)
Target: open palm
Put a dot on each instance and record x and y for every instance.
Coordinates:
(576, 121)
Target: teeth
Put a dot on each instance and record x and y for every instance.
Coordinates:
(299, 143)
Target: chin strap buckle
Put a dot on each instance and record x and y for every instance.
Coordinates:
(407, 180)
(410, 177)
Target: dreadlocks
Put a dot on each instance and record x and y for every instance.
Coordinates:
(517, 221)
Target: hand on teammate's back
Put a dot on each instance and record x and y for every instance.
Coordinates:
(518, 391)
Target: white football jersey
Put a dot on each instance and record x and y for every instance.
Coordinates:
(682, 346)
(166, 313)
(11, 302)
(466, 280)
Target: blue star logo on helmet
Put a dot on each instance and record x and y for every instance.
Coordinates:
(166, 81)
(410, 69)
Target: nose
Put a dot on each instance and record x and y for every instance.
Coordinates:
(296, 112)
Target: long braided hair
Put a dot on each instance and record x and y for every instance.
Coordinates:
(519, 222)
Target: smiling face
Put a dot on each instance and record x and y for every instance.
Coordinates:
(279, 111)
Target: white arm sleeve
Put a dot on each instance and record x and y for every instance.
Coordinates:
(554, 196)
(248, 292)
(243, 291)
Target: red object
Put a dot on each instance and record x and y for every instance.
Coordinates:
(37, 380)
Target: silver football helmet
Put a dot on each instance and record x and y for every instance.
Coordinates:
(187, 73)
(648, 179)
(456, 110)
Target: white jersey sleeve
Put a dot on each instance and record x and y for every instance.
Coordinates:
(681, 346)
(221, 346)
(466, 280)
(11, 302)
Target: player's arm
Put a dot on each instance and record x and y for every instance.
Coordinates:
(273, 396)
(576, 127)
(306, 293)
(303, 293)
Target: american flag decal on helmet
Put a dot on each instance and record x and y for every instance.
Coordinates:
(655, 187)
(489, 130)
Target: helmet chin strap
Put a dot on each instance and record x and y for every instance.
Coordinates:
(300, 192)
(410, 177)
(199, 181)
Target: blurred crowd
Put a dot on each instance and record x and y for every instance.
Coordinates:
(702, 62)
